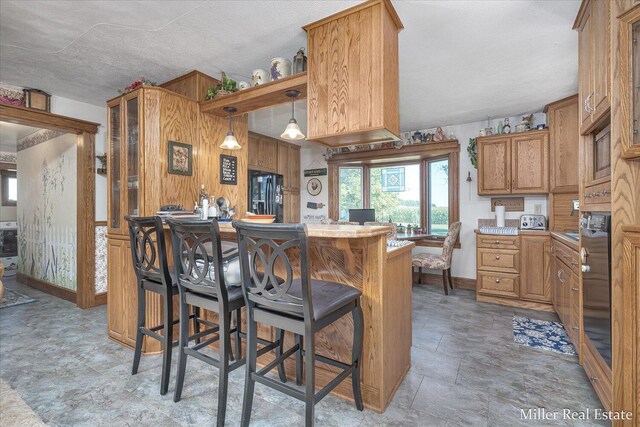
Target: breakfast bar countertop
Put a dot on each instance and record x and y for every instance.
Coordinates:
(332, 230)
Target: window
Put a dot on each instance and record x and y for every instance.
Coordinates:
(350, 191)
(9, 188)
(414, 186)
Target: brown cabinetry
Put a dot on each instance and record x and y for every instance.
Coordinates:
(514, 164)
(353, 75)
(514, 270)
(596, 169)
(566, 290)
(562, 120)
(289, 165)
(535, 268)
(594, 72)
(263, 153)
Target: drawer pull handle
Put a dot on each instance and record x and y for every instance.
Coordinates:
(497, 256)
(575, 328)
(593, 379)
(497, 280)
(575, 264)
(575, 289)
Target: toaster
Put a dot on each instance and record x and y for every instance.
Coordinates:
(533, 222)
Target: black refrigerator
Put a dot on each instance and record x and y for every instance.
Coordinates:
(266, 194)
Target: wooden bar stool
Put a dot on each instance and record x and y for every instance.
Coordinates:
(302, 306)
(149, 256)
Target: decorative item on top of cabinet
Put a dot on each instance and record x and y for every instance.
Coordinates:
(562, 118)
(594, 52)
(353, 81)
(629, 69)
(514, 164)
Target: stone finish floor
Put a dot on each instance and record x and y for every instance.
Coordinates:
(466, 370)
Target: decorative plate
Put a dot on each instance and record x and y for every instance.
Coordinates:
(314, 186)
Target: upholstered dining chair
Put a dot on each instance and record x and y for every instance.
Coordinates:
(439, 262)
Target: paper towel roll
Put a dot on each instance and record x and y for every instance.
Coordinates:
(500, 210)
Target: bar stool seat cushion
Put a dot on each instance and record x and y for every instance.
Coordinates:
(233, 292)
(155, 285)
(435, 262)
(327, 296)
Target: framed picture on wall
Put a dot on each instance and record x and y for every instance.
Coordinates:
(180, 158)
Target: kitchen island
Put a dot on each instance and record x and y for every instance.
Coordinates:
(354, 255)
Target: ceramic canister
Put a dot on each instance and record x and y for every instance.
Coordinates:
(243, 85)
(259, 76)
(280, 68)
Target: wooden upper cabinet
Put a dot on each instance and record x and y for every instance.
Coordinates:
(594, 70)
(564, 136)
(535, 268)
(263, 153)
(353, 76)
(530, 163)
(289, 165)
(514, 164)
(494, 165)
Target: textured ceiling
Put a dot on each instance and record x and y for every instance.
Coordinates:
(460, 61)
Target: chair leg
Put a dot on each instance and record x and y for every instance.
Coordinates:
(449, 276)
(249, 382)
(196, 324)
(444, 282)
(279, 351)
(167, 345)
(356, 352)
(182, 343)
(310, 390)
(223, 379)
(139, 337)
(299, 342)
(238, 343)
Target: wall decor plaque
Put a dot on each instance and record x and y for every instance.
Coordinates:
(512, 204)
(314, 186)
(180, 158)
(228, 170)
(315, 172)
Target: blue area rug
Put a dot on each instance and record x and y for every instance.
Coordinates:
(13, 298)
(542, 334)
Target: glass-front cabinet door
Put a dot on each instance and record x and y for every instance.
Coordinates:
(114, 130)
(629, 81)
(132, 144)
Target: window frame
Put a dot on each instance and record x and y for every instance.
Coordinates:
(362, 184)
(424, 154)
(6, 175)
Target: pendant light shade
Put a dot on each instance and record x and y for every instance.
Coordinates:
(293, 130)
(230, 142)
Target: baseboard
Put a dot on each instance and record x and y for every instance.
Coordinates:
(458, 282)
(101, 299)
(46, 287)
(540, 306)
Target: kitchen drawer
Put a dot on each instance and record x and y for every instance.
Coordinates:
(502, 260)
(497, 242)
(499, 284)
(567, 255)
(600, 379)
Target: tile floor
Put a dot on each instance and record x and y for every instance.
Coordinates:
(466, 370)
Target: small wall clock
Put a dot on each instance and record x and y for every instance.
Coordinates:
(314, 186)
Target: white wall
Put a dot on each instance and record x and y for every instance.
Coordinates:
(472, 206)
(92, 113)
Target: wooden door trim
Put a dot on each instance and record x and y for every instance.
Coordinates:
(85, 193)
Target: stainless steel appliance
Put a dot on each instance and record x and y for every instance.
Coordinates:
(266, 194)
(595, 229)
(533, 222)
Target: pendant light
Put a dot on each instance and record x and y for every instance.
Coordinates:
(230, 142)
(293, 130)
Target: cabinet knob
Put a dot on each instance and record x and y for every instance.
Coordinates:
(575, 328)
(497, 256)
(497, 242)
(593, 379)
(497, 280)
(575, 289)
